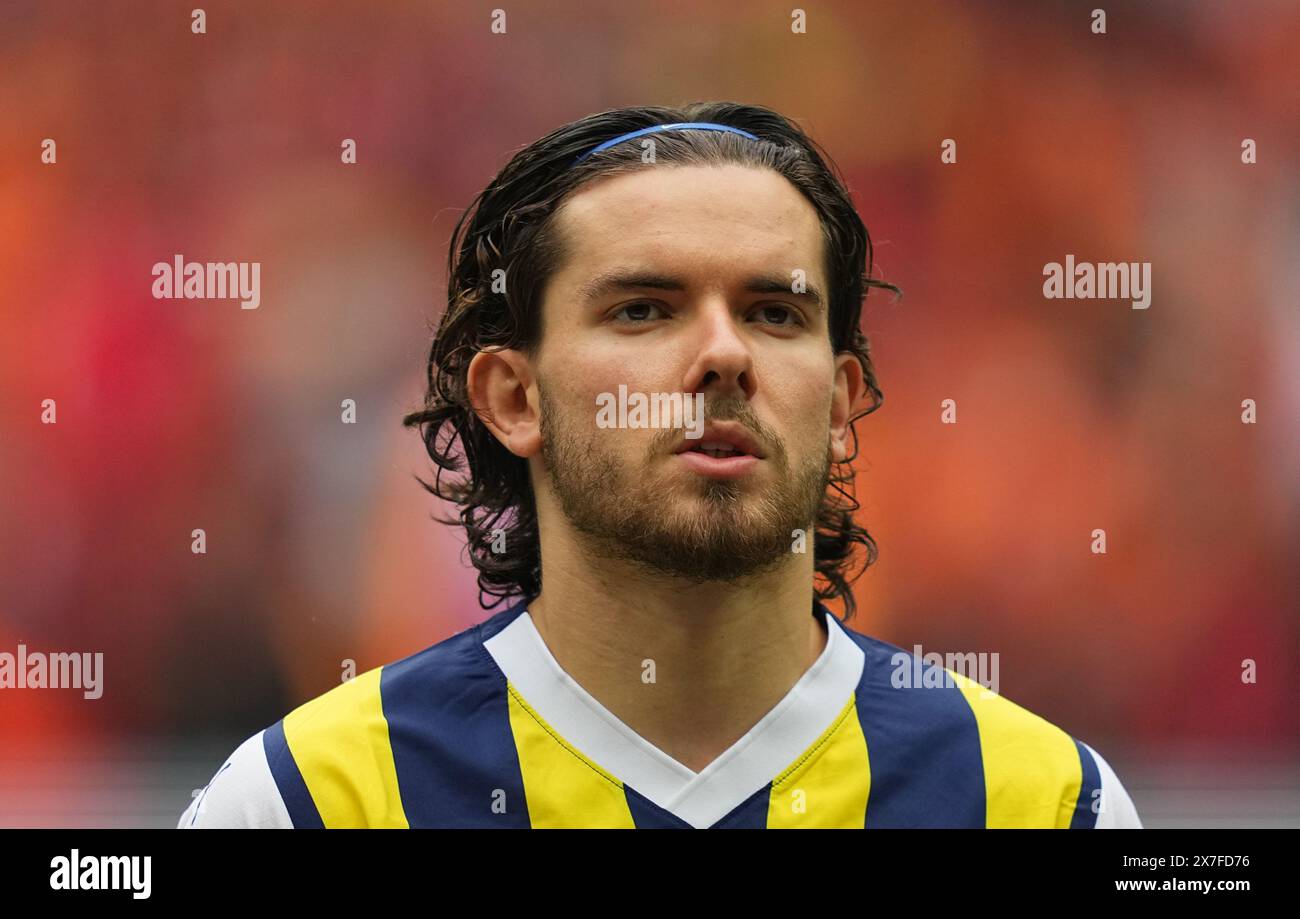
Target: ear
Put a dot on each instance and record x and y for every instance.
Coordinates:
(850, 385)
(503, 391)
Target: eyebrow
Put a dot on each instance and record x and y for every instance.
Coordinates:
(612, 282)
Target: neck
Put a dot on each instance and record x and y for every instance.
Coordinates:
(690, 667)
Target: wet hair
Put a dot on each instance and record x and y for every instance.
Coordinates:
(510, 226)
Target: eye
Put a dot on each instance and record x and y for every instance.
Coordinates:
(776, 311)
(636, 311)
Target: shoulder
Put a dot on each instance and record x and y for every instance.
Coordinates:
(1115, 808)
(264, 783)
(242, 794)
(1034, 774)
(1031, 765)
(331, 761)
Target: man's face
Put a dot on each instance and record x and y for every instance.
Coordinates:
(761, 358)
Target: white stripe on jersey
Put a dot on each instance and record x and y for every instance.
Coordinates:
(1117, 810)
(242, 795)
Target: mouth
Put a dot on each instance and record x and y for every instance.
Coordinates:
(723, 439)
(716, 450)
(725, 450)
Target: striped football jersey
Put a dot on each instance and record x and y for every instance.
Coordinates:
(485, 729)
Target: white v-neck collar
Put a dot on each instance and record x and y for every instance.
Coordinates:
(703, 798)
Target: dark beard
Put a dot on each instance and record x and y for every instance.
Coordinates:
(731, 532)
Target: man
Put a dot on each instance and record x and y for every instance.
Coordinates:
(667, 660)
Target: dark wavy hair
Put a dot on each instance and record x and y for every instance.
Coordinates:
(509, 226)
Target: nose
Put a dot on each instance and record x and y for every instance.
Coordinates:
(723, 360)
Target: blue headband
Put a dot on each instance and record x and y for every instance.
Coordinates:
(680, 126)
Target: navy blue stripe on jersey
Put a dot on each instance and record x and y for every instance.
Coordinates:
(449, 729)
(923, 745)
(650, 816)
(749, 815)
(288, 779)
(1085, 817)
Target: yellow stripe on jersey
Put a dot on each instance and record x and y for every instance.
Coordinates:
(826, 787)
(562, 787)
(340, 743)
(1032, 772)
